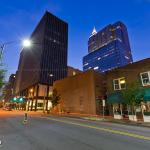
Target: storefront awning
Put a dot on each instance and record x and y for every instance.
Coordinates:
(140, 95)
(115, 98)
(147, 94)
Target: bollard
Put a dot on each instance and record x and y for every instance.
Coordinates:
(0, 143)
(25, 118)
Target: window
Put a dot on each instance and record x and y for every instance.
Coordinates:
(40, 105)
(96, 68)
(145, 78)
(74, 73)
(119, 84)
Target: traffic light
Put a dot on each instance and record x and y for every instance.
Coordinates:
(21, 100)
(18, 100)
(14, 99)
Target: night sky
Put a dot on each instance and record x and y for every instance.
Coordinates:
(18, 18)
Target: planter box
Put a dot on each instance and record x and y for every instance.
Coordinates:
(132, 117)
(117, 116)
(146, 118)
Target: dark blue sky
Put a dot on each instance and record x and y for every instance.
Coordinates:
(18, 19)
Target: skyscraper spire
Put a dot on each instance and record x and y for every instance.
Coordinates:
(93, 32)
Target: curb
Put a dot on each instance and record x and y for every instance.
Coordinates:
(147, 125)
(118, 121)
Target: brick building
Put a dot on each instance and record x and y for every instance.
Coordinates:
(119, 79)
(73, 71)
(81, 93)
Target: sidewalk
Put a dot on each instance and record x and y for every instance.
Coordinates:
(100, 118)
(83, 116)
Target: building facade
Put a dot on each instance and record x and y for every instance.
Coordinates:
(120, 79)
(81, 93)
(108, 49)
(73, 71)
(44, 62)
(85, 92)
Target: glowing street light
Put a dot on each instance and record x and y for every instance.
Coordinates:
(26, 43)
(51, 75)
(31, 90)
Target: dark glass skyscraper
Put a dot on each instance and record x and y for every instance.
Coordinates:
(46, 60)
(108, 49)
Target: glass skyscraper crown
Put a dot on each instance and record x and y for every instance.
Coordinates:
(108, 49)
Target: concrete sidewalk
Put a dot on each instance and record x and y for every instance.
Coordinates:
(100, 118)
(79, 116)
(123, 121)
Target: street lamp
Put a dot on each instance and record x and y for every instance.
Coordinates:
(51, 75)
(25, 43)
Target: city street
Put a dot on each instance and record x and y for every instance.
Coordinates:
(55, 133)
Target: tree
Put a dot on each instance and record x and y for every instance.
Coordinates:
(133, 95)
(55, 98)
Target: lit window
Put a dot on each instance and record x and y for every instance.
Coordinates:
(118, 27)
(126, 57)
(74, 73)
(119, 39)
(106, 55)
(86, 64)
(119, 84)
(50, 93)
(145, 77)
(113, 29)
(95, 68)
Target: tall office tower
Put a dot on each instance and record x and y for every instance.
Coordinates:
(46, 60)
(108, 49)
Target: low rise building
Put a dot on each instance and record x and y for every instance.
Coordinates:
(119, 79)
(73, 71)
(84, 92)
(81, 93)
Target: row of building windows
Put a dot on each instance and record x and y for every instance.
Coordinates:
(120, 83)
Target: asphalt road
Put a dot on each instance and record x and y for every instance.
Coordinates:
(61, 133)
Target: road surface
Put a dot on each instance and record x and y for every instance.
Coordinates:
(61, 133)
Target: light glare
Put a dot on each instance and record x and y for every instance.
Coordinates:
(27, 43)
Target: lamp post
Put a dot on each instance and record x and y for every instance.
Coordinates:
(25, 43)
